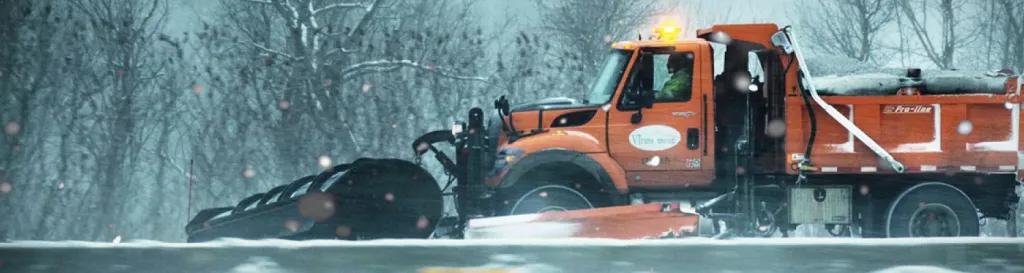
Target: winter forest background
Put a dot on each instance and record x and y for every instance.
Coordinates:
(103, 103)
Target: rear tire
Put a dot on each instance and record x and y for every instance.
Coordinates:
(932, 209)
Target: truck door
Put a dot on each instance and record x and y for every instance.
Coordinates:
(666, 146)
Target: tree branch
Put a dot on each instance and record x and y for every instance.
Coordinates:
(271, 51)
(380, 66)
(370, 10)
(341, 6)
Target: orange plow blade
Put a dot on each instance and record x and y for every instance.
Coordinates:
(649, 221)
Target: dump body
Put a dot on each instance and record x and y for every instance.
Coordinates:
(926, 133)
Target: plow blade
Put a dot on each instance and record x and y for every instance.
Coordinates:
(649, 221)
(366, 199)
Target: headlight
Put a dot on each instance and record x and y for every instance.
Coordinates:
(504, 158)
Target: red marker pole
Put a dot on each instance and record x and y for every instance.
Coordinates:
(190, 163)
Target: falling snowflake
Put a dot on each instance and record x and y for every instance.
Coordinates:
(283, 105)
(742, 81)
(721, 38)
(367, 87)
(249, 173)
(12, 128)
(343, 231)
(291, 225)
(5, 187)
(776, 128)
(60, 186)
(394, 125)
(117, 239)
(389, 197)
(329, 83)
(965, 127)
(607, 38)
(543, 194)
(422, 222)
(317, 205)
(1009, 105)
(325, 161)
(197, 89)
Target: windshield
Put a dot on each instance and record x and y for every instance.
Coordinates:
(602, 88)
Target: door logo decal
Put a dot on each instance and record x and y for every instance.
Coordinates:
(684, 114)
(654, 138)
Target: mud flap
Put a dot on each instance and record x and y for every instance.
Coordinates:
(648, 221)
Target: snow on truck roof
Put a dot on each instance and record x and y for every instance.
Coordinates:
(887, 81)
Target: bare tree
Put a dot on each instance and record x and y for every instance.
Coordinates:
(1013, 33)
(29, 76)
(123, 31)
(319, 48)
(581, 31)
(848, 27)
(952, 36)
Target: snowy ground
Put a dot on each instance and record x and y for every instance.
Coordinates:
(563, 255)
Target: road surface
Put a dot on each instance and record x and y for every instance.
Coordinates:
(990, 255)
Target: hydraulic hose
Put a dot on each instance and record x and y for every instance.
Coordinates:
(846, 123)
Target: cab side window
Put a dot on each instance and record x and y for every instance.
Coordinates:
(673, 77)
(671, 81)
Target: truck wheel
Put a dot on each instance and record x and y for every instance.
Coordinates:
(550, 198)
(932, 209)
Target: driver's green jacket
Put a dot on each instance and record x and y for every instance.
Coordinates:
(676, 86)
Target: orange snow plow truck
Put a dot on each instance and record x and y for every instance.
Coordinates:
(727, 134)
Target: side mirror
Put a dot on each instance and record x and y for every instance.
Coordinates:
(643, 98)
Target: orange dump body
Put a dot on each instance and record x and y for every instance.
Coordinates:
(937, 133)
